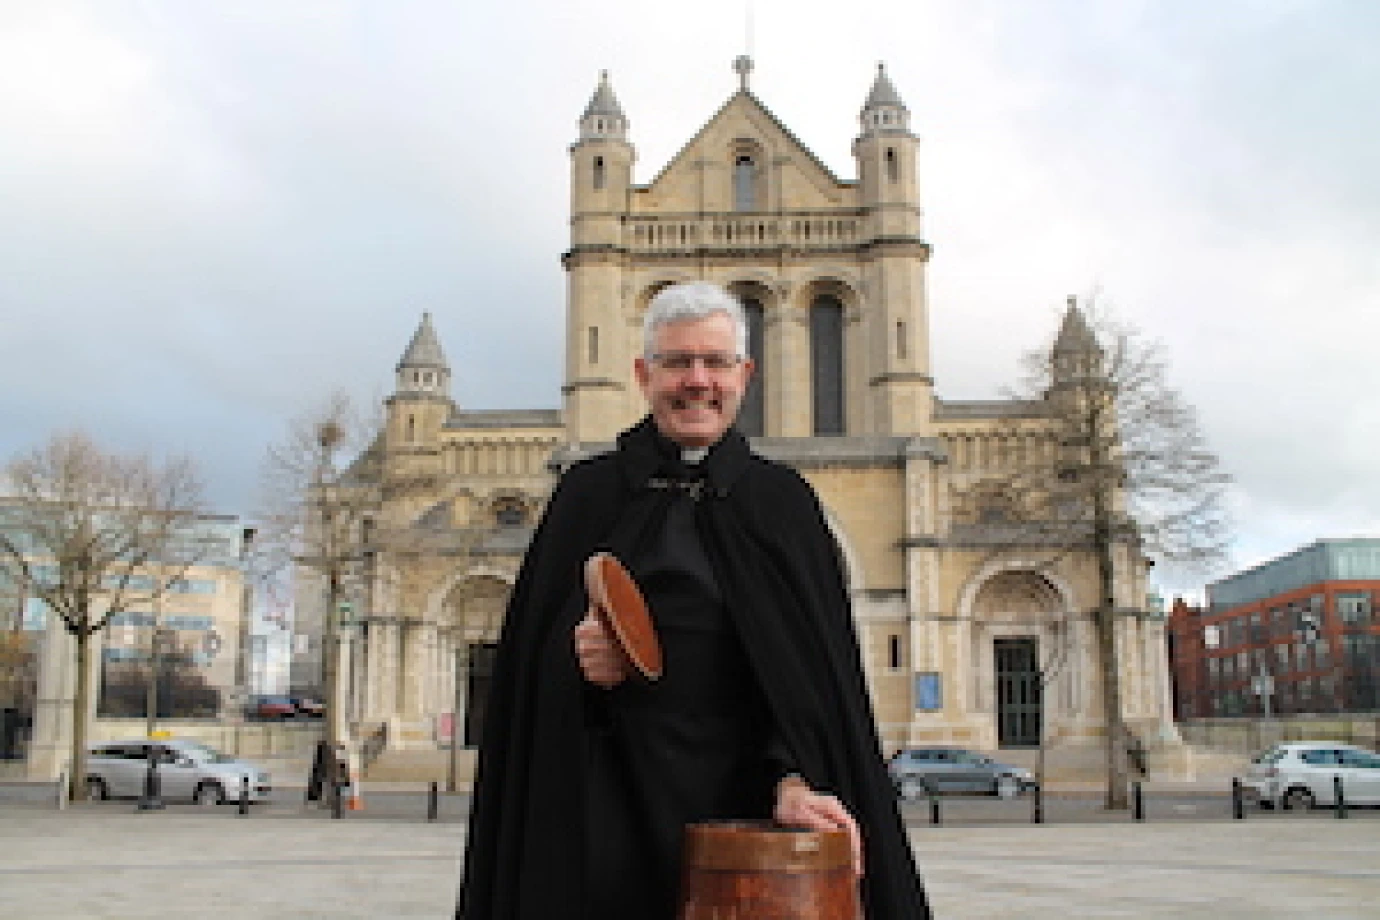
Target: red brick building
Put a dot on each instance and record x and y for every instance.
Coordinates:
(1297, 634)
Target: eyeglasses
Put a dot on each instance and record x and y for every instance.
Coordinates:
(715, 361)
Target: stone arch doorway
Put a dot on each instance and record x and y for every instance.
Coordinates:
(474, 612)
(1022, 651)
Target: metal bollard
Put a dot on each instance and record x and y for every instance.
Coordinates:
(244, 795)
(337, 799)
(1137, 802)
(62, 791)
(432, 802)
(1237, 810)
(1338, 796)
(1037, 806)
(935, 817)
(152, 799)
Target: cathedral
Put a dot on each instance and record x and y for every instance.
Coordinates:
(960, 634)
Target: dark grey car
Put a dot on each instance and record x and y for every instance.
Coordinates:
(915, 771)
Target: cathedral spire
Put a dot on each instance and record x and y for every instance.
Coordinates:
(884, 110)
(423, 368)
(603, 116)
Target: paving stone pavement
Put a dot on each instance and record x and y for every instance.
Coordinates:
(85, 863)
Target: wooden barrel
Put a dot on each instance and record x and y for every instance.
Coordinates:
(737, 870)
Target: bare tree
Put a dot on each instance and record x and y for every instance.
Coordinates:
(93, 533)
(317, 510)
(1124, 475)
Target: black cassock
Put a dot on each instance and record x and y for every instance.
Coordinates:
(582, 793)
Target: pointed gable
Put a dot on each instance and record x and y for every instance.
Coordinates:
(699, 178)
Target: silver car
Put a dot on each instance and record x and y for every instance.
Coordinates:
(1302, 775)
(186, 770)
(915, 771)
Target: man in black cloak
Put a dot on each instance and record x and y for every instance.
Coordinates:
(588, 775)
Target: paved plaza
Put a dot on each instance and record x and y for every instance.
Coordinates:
(99, 862)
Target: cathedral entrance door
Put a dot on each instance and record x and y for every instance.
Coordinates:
(480, 678)
(1019, 697)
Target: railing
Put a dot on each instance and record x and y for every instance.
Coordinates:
(743, 231)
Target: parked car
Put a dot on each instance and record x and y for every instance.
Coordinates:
(1301, 775)
(308, 708)
(945, 769)
(270, 708)
(186, 770)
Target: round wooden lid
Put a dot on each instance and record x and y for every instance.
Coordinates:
(620, 604)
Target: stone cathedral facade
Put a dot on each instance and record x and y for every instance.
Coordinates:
(832, 273)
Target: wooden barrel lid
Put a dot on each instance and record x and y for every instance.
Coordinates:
(619, 602)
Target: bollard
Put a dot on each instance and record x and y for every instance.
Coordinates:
(62, 791)
(1338, 796)
(1237, 811)
(1137, 802)
(1037, 807)
(337, 797)
(935, 817)
(152, 799)
(244, 794)
(432, 803)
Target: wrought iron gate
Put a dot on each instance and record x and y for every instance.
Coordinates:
(1019, 697)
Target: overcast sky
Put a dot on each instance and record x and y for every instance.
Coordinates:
(214, 213)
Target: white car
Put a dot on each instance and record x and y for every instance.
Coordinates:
(1302, 775)
(186, 770)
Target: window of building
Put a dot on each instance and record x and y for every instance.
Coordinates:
(411, 428)
(593, 345)
(892, 169)
(1282, 653)
(598, 172)
(901, 339)
(510, 512)
(826, 364)
(893, 651)
(194, 586)
(1353, 609)
(188, 622)
(744, 184)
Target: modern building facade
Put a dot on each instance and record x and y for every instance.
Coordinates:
(958, 627)
(1294, 635)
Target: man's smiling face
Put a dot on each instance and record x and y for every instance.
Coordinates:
(694, 380)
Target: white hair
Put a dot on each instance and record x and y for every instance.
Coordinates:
(691, 301)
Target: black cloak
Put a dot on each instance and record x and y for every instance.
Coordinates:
(773, 555)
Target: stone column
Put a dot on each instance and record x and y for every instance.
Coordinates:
(50, 749)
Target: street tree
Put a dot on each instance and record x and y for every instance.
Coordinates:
(93, 533)
(316, 513)
(1125, 477)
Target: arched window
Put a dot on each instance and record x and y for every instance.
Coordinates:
(593, 344)
(892, 170)
(509, 512)
(826, 364)
(901, 338)
(744, 184)
(752, 414)
(412, 428)
(598, 172)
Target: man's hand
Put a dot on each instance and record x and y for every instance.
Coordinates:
(797, 805)
(602, 660)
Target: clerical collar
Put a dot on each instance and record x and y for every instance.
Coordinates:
(693, 456)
